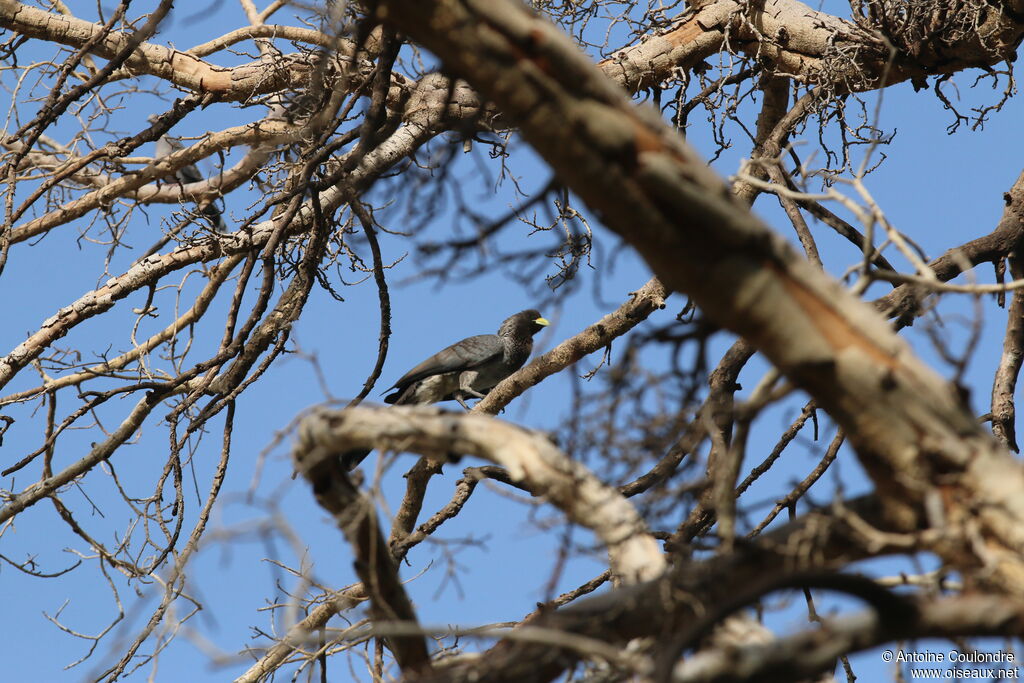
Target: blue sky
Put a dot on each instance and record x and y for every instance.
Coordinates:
(492, 562)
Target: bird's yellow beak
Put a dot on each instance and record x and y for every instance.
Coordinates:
(542, 322)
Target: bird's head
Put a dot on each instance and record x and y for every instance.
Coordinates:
(523, 324)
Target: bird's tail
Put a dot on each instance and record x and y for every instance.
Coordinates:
(401, 396)
(213, 214)
(350, 459)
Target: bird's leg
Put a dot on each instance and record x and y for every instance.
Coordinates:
(466, 389)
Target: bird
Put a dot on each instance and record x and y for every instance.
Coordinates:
(188, 174)
(466, 369)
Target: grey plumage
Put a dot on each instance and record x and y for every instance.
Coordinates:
(189, 174)
(468, 368)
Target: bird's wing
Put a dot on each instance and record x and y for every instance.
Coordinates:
(464, 355)
(166, 146)
(186, 174)
(189, 174)
(213, 214)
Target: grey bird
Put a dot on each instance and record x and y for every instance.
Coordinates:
(466, 369)
(189, 174)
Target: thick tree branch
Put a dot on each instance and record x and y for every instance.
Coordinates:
(528, 456)
(1004, 415)
(813, 46)
(908, 426)
(184, 69)
(808, 654)
(356, 516)
(663, 608)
